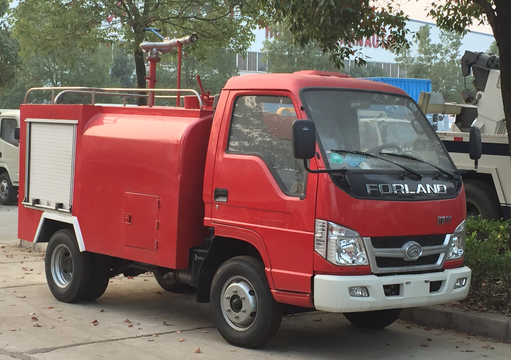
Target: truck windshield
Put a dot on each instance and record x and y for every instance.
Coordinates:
(376, 123)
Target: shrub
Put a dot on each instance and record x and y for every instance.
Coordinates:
(488, 254)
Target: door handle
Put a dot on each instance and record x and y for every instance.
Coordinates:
(221, 195)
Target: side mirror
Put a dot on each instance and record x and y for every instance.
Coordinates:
(17, 134)
(475, 145)
(304, 139)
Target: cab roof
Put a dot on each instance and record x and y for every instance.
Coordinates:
(304, 79)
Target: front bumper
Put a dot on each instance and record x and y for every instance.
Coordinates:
(331, 291)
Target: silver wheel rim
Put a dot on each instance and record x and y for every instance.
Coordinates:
(239, 303)
(4, 189)
(61, 264)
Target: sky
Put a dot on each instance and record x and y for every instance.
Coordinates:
(416, 10)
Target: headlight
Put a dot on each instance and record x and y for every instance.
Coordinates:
(457, 243)
(339, 245)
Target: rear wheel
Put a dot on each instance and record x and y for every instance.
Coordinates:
(68, 271)
(99, 279)
(481, 200)
(244, 310)
(8, 193)
(378, 319)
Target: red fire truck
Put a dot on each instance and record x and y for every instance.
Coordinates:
(279, 192)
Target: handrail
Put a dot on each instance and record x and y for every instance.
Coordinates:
(122, 92)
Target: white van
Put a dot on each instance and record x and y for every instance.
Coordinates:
(9, 156)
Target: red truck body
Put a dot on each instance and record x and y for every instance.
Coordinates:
(151, 185)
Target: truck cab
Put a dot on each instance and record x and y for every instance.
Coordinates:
(9, 156)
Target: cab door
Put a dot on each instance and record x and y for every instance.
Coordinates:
(9, 152)
(259, 187)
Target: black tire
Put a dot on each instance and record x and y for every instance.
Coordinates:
(68, 271)
(8, 193)
(240, 284)
(481, 199)
(378, 319)
(168, 282)
(100, 277)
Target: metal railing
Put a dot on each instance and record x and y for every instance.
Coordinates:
(58, 92)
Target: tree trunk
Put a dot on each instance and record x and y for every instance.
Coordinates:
(140, 66)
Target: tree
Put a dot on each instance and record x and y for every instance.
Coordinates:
(52, 69)
(9, 48)
(438, 62)
(214, 71)
(285, 56)
(336, 25)
(85, 23)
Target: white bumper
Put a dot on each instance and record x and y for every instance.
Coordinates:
(331, 291)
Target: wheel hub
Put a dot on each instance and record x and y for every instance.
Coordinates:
(4, 189)
(61, 266)
(239, 304)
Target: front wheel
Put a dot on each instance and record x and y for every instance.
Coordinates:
(378, 319)
(244, 310)
(8, 193)
(68, 271)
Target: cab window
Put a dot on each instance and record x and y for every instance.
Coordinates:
(261, 126)
(7, 127)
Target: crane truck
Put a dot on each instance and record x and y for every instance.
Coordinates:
(273, 195)
(488, 191)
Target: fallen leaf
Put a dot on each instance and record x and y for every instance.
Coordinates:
(179, 332)
(150, 340)
(127, 321)
(130, 325)
(488, 347)
(154, 335)
(166, 323)
(181, 340)
(204, 331)
(317, 320)
(33, 318)
(429, 339)
(102, 310)
(21, 297)
(50, 307)
(95, 323)
(37, 325)
(424, 345)
(197, 351)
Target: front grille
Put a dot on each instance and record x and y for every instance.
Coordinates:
(385, 262)
(388, 255)
(399, 241)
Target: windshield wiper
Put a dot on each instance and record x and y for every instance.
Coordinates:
(410, 157)
(355, 152)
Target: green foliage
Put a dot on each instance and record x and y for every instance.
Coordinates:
(214, 71)
(8, 48)
(325, 22)
(494, 49)
(83, 24)
(488, 254)
(438, 62)
(284, 55)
